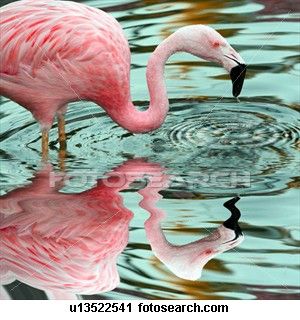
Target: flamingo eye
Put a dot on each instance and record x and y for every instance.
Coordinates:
(216, 44)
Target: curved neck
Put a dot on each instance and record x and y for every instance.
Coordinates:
(134, 120)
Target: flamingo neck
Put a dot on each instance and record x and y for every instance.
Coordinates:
(134, 120)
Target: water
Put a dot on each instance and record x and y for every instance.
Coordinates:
(210, 149)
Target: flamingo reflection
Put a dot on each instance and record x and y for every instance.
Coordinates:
(68, 244)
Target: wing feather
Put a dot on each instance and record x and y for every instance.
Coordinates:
(33, 36)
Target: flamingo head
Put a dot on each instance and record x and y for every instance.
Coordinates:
(206, 43)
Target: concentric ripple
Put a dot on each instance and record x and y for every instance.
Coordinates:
(242, 127)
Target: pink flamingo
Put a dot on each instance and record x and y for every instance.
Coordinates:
(68, 244)
(56, 52)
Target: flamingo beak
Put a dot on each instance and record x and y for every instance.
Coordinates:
(237, 75)
(232, 222)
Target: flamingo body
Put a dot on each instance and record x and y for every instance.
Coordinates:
(56, 52)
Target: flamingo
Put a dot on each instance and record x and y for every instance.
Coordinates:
(68, 244)
(57, 52)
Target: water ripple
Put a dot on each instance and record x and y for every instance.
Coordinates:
(233, 127)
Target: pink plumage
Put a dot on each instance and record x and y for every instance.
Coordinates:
(56, 52)
(68, 244)
(62, 242)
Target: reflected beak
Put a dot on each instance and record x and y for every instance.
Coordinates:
(232, 222)
(237, 75)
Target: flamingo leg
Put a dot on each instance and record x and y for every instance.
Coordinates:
(61, 131)
(62, 141)
(45, 142)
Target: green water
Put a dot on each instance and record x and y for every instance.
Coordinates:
(207, 132)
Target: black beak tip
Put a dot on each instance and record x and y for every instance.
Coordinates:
(237, 75)
(235, 93)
